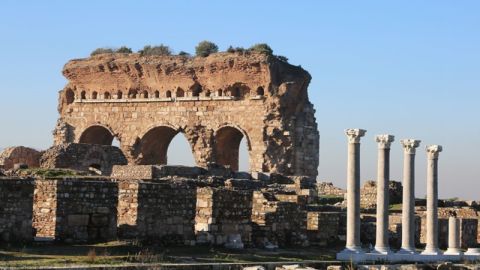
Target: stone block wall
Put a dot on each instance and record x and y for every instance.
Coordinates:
(19, 154)
(282, 223)
(86, 209)
(16, 204)
(368, 194)
(132, 172)
(153, 210)
(222, 212)
(323, 227)
(300, 200)
(328, 189)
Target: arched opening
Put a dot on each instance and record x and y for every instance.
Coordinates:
(180, 152)
(236, 92)
(116, 142)
(69, 96)
(95, 168)
(119, 95)
(196, 90)
(260, 91)
(94, 95)
(145, 94)
(219, 92)
(227, 145)
(207, 93)
(157, 94)
(106, 95)
(180, 92)
(132, 94)
(96, 135)
(154, 146)
(83, 95)
(243, 157)
(168, 94)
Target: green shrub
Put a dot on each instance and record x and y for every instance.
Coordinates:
(230, 49)
(103, 50)
(239, 50)
(205, 48)
(261, 47)
(124, 49)
(182, 53)
(156, 50)
(282, 58)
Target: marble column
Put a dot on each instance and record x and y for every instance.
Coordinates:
(453, 237)
(408, 208)
(432, 200)
(383, 183)
(353, 192)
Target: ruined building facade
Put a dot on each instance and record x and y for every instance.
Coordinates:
(215, 102)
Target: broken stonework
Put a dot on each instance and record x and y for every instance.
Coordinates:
(19, 154)
(214, 101)
(83, 157)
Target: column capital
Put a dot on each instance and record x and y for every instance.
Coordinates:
(384, 141)
(354, 135)
(410, 145)
(433, 151)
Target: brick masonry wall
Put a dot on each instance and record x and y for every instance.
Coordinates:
(153, 210)
(222, 212)
(16, 204)
(323, 227)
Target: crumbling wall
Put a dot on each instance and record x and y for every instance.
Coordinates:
(19, 154)
(327, 189)
(282, 223)
(85, 209)
(222, 212)
(16, 204)
(368, 194)
(83, 157)
(154, 211)
(323, 228)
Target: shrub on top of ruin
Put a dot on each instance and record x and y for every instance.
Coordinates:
(182, 53)
(239, 50)
(156, 50)
(282, 58)
(230, 49)
(103, 50)
(124, 49)
(261, 47)
(205, 48)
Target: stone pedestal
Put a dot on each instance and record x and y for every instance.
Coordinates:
(353, 249)
(432, 200)
(408, 213)
(383, 181)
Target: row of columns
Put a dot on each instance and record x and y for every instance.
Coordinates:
(353, 249)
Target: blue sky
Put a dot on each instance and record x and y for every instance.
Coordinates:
(406, 68)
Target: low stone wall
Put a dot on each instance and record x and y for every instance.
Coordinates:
(132, 171)
(278, 222)
(328, 189)
(83, 157)
(300, 200)
(323, 227)
(153, 211)
(19, 154)
(368, 194)
(222, 212)
(85, 209)
(16, 204)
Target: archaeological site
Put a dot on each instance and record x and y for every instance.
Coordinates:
(83, 189)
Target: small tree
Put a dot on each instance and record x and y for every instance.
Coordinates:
(282, 58)
(156, 50)
(182, 53)
(205, 48)
(230, 49)
(261, 47)
(124, 49)
(103, 50)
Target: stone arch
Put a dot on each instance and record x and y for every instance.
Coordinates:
(94, 95)
(207, 93)
(69, 96)
(97, 158)
(119, 95)
(219, 93)
(106, 95)
(260, 91)
(196, 90)
(168, 94)
(227, 145)
(180, 92)
(132, 94)
(83, 95)
(145, 94)
(157, 94)
(153, 145)
(97, 134)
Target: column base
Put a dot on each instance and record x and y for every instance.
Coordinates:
(407, 251)
(432, 251)
(453, 251)
(354, 253)
(381, 251)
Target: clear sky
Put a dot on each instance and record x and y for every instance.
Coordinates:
(407, 68)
